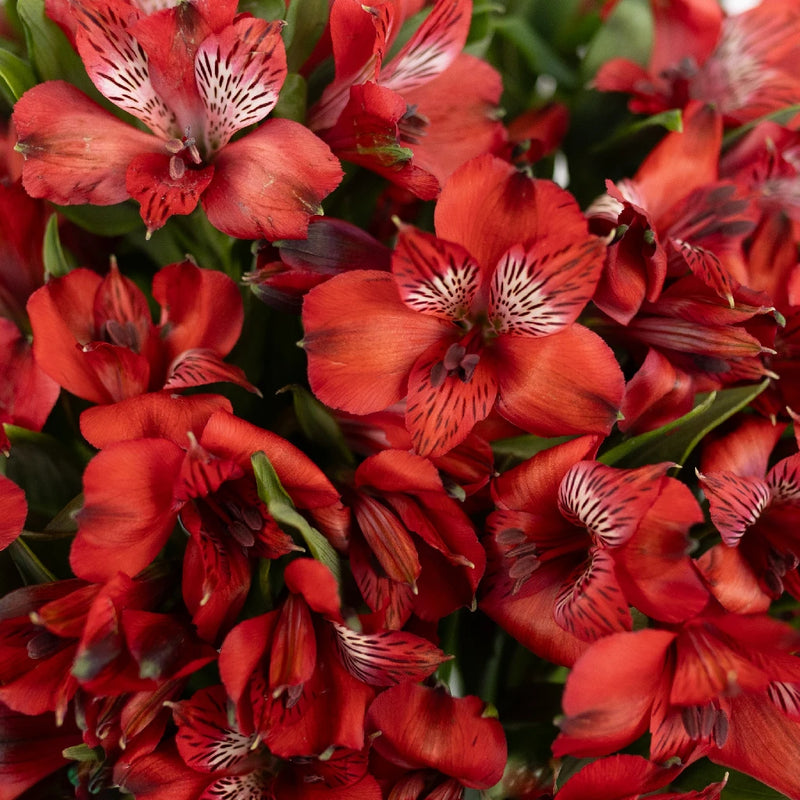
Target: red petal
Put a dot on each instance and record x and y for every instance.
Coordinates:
(356, 359)
(239, 74)
(568, 382)
(735, 502)
(293, 651)
(27, 393)
(75, 151)
(199, 366)
(206, 739)
(745, 450)
(426, 728)
(117, 64)
(610, 692)
(432, 48)
(732, 580)
(387, 658)
(617, 778)
(541, 290)
(591, 604)
(317, 585)
(609, 502)
(120, 371)
(13, 510)
(270, 182)
(763, 742)
(681, 162)
(784, 481)
(127, 514)
(440, 416)
(150, 416)
(487, 207)
(434, 276)
(199, 308)
(150, 182)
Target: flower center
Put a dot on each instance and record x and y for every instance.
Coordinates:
(457, 363)
(179, 148)
(707, 722)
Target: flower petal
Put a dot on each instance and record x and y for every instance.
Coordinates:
(239, 75)
(200, 366)
(151, 181)
(568, 382)
(79, 153)
(540, 290)
(13, 510)
(735, 502)
(269, 183)
(357, 359)
(116, 62)
(434, 276)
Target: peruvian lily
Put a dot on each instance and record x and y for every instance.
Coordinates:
(574, 543)
(412, 549)
(744, 64)
(433, 745)
(137, 489)
(419, 116)
(721, 685)
(195, 75)
(302, 678)
(481, 316)
(213, 757)
(95, 336)
(755, 509)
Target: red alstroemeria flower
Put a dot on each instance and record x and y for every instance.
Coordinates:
(56, 638)
(480, 316)
(302, 678)
(136, 490)
(721, 685)
(434, 742)
(419, 116)
(744, 64)
(215, 758)
(95, 336)
(625, 777)
(195, 75)
(413, 550)
(574, 543)
(755, 509)
(672, 218)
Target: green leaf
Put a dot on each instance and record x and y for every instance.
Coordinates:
(516, 449)
(305, 22)
(318, 424)
(57, 261)
(265, 9)
(671, 120)
(541, 57)
(627, 33)
(49, 49)
(280, 506)
(676, 440)
(16, 76)
(115, 220)
(292, 100)
(28, 564)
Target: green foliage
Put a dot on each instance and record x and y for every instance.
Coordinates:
(16, 76)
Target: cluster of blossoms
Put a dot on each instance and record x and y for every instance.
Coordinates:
(520, 516)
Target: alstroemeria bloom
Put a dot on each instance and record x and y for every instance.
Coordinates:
(419, 116)
(412, 547)
(302, 678)
(13, 511)
(216, 758)
(480, 316)
(95, 336)
(755, 509)
(136, 490)
(744, 64)
(574, 543)
(195, 75)
(720, 685)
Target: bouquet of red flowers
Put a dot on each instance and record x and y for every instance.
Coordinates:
(520, 515)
